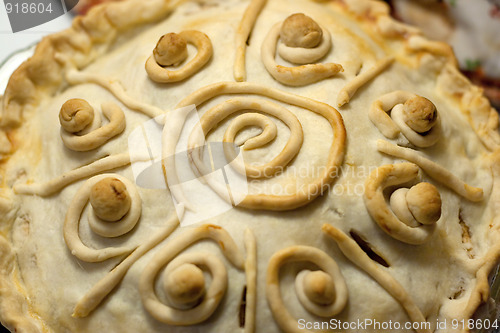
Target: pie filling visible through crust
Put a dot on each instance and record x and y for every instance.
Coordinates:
(256, 166)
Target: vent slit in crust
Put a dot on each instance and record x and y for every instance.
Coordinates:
(243, 305)
(368, 248)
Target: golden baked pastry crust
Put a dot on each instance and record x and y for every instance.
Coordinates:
(60, 62)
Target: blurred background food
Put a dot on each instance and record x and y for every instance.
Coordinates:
(471, 27)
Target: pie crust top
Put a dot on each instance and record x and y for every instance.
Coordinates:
(360, 182)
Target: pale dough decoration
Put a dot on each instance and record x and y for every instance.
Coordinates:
(355, 254)
(307, 73)
(184, 283)
(415, 116)
(215, 115)
(379, 109)
(116, 207)
(421, 139)
(269, 129)
(424, 203)
(171, 50)
(171, 133)
(75, 115)
(169, 256)
(315, 290)
(268, 201)
(434, 170)
(421, 204)
(303, 40)
(110, 199)
(78, 130)
(169, 55)
(299, 30)
(338, 296)
(101, 289)
(243, 34)
(52, 186)
(75, 77)
(348, 91)
(411, 232)
(72, 221)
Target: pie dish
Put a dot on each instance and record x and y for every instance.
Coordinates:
(370, 171)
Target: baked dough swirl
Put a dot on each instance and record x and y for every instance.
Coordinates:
(171, 50)
(414, 212)
(191, 304)
(93, 298)
(415, 116)
(358, 257)
(322, 292)
(304, 43)
(268, 201)
(221, 111)
(104, 228)
(81, 128)
(434, 170)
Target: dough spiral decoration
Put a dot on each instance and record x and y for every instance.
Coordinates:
(192, 303)
(268, 201)
(434, 170)
(413, 213)
(216, 114)
(358, 257)
(101, 289)
(322, 292)
(304, 42)
(415, 116)
(81, 128)
(171, 50)
(106, 200)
